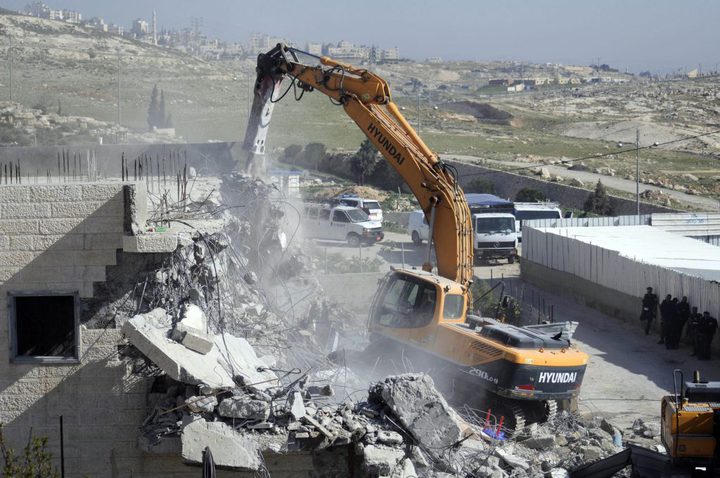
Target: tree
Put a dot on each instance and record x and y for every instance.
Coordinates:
(364, 162)
(162, 114)
(291, 153)
(530, 195)
(598, 201)
(314, 154)
(153, 109)
(35, 462)
(480, 185)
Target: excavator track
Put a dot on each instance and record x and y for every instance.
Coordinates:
(551, 409)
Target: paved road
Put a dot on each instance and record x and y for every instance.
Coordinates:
(612, 182)
(628, 372)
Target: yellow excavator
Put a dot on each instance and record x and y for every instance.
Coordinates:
(526, 370)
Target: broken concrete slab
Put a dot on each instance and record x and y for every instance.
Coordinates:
(245, 408)
(540, 442)
(381, 460)
(230, 449)
(297, 406)
(201, 404)
(513, 461)
(421, 409)
(149, 333)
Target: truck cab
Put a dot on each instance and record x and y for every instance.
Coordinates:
(495, 236)
(341, 223)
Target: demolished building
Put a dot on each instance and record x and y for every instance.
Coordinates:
(143, 329)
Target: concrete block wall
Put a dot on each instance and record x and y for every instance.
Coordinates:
(61, 237)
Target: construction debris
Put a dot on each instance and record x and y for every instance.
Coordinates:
(206, 312)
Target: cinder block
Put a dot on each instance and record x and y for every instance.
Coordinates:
(103, 241)
(109, 208)
(21, 243)
(54, 192)
(18, 226)
(17, 258)
(7, 273)
(70, 273)
(100, 225)
(13, 193)
(25, 210)
(101, 192)
(61, 226)
(52, 258)
(58, 242)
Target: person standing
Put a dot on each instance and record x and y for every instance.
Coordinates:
(665, 311)
(693, 330)
(673, 326)
(649, 309)
(683, 315)
(708, 327)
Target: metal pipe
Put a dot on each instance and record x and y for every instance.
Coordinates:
(427, 266)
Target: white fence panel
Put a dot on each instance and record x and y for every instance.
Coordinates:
(610, 269)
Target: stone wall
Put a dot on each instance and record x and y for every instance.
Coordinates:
(507, 185)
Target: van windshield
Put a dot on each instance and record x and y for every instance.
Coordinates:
(494, 224)
(537, 214)
(357, 215)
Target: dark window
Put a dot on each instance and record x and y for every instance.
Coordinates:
(340, 216)
(45, 327)
(407, 303)
(454, 304)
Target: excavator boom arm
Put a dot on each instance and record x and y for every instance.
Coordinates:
(366, 99)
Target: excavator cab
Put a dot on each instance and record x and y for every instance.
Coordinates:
(412, 302)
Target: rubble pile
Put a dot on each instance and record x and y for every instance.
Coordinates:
(234, 371)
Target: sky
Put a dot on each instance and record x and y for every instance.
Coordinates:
(638, 35)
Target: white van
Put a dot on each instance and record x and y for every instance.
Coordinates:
(341, 223)
(495, 236)
(418, 227)
(370, 206)
(525, 211)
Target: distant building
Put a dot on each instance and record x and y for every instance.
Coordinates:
(434, 60)
(315, 49)
(347, 51)
(499, 82)
(97, 24)
(391, 54)
(116, 29)
(140, 28)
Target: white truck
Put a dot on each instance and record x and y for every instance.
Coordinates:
(341, 223)
(418, 227)
(495, 236)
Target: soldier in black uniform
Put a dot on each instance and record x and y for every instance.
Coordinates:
(708, 327)
(693, 330)
(676, 323)
(665, 311)
(649, 309)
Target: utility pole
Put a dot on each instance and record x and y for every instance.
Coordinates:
(418, 113)
(637, 170)
(119, 117)
(10, 53)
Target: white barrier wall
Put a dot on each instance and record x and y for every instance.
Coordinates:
(629, 259)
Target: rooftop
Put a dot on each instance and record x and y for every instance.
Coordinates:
(651, 245)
